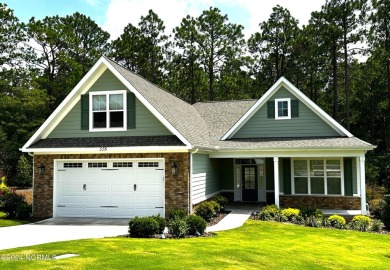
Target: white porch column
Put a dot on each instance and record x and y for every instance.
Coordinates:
(363, 185)
(276, 179)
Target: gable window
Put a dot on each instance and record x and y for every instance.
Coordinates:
(283, 108)
(317, 177)
(108, 111)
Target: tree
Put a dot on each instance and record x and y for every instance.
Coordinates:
(24, 173)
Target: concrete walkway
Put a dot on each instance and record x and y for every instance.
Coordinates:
(235, 219)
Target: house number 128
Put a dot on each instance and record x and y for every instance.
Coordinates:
(103, 149)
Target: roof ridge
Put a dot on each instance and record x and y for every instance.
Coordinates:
(226, 101)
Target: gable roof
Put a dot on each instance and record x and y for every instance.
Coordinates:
(297, 93)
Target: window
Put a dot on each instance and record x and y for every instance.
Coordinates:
(283, 108)
(108, 111)
(97, 165)
(73, 165)
(122, 164)
(147, 164)
(317, 177)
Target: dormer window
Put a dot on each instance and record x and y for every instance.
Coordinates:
(283, 108)
(107, 111)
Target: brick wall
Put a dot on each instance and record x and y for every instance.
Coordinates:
(176, 187)
(322, 202)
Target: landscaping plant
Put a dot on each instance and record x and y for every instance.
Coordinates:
(386, 211)
(360, 223)
(290, 213)
(205, 210)
(195, 224)
(175, 213)
(336, 221)
(178, 228)
(143, 227)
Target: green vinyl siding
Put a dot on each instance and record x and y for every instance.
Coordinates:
(146, 123)
(203, 164)
(306, 124)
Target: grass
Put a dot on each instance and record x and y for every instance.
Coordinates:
(5, 222)
(256, 245)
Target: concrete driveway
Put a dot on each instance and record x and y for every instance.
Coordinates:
(60, 229)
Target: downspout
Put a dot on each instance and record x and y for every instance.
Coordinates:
(190, 189)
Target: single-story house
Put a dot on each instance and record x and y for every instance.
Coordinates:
(119, 146)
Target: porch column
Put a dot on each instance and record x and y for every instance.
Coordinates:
(363, 185)
(276, 180)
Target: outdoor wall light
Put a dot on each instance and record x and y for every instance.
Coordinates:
(175, 168)
(41, 169)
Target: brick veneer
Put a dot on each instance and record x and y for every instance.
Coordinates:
(176, 187)
(323, 202)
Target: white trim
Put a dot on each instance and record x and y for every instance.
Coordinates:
(276, 180)
(109, 150)
(107, 94)
(291, 88)
(277, 101)
(363, 207)
(82, 87)
(205, 197)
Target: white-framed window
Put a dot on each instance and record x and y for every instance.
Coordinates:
(283, 108)
(107, 111)
(317, 177)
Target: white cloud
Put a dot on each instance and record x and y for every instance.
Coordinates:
(122, 12)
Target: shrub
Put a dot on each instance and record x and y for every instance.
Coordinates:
(376, 225)
(23, 211)
(161, 223)
(205, 210)
(270, 212)
(143, 227)
(336, 221)
(176, 213)
(221, 200)
(310, 212)
(195, 224)
(360, 223)
(178, 228)
(10, 202)
(216, 207)
(386, 211)
(289, 213)
(376, 207)
(298, 220)
(314, 221)
(279, 217)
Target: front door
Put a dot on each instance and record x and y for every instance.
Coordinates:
(249, 183)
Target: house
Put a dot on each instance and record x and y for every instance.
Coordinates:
(119, 146)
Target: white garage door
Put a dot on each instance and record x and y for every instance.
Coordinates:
(109, 189)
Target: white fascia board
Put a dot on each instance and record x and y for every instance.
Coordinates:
(67, 104)
(146, 103)
(288, 153)
(109, 150)
(296, 92)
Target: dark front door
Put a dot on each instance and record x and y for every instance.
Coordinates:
(249, 183)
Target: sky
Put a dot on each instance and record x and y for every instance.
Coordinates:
(113, 15)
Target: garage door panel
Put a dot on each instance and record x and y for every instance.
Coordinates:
(110, 191)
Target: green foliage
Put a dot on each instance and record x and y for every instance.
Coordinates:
(10, 202)
(175, 213)
(195, 224)
(314, 221)
(270, 212)
(376, 225)
(178, 228)
(376, 207)
(143, 227)
(24, 173)
(23, 211)
(205, 210)
(310, 212)
(221, 200)
(299, 220)
(290, 213)
(161, 223)
(216, 206)
(386, 211)
(336, 221)
(360, 223)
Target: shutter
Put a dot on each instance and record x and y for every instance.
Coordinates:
(269, 173)
(294, 108)
(348, 177)
(286, 176)
(85, 112)
(130, 110)
(271, 109)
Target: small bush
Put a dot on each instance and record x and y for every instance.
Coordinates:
(176, 213)
(178, 228)
(279, 217)
(195, 224)
(310, 212)
(376, 225)
(386, 211)
(216, 206)
(360, 223)
(23, 211)
(289, 213)
(376, 207)
(205, 210)
(298, 220)
(161, 223)
(221, 200)
(336, 221)
(314, 221)
(270, 212)
(143, 227)
(10, 202)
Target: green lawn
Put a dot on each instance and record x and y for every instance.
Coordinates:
(256, 245)
(4, 222)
